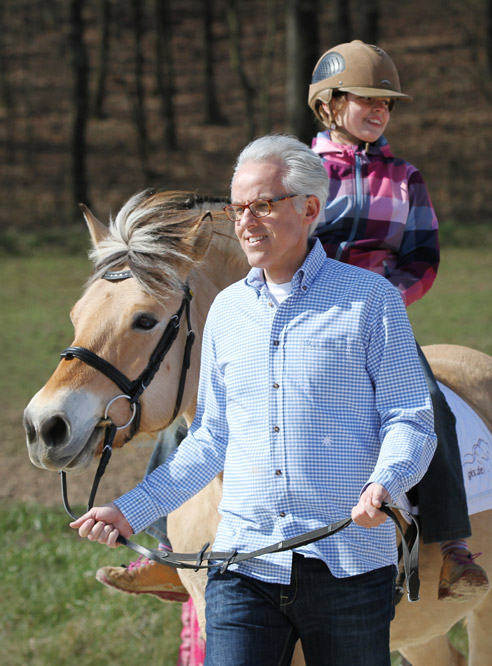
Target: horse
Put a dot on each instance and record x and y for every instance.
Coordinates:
(160, 247)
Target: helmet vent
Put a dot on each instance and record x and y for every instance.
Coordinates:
(333, 63)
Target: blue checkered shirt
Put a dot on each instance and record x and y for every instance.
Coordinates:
(301, 406)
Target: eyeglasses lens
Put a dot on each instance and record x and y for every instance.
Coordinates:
(260, 208)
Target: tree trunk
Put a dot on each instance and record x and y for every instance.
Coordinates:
(301, 56)
(6, 97)
(80, 96)
(139, 89)
(264, 94)
(369, 31)
(212, 112)
(343, 26)
(488, 38)
(237, 64)
(104, 21)
(165, 71)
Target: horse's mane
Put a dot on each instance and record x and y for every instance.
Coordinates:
(159, 237)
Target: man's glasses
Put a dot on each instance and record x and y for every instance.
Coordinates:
(258, 208)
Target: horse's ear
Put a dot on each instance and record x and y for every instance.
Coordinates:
(202, 234)
(97, 229)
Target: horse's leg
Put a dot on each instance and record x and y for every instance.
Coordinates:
(189, 528)
(479, 633)
(436, 652)
(298, 657)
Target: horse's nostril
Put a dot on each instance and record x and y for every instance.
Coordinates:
(30, 431)
(55, 431)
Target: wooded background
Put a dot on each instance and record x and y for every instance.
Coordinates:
(99, 98)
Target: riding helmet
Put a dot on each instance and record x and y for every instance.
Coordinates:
(361, 69)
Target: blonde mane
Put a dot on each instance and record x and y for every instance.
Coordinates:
(160, 236)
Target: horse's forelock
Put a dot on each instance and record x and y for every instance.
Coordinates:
(153, 234)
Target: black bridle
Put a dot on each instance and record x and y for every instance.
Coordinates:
(132, 390)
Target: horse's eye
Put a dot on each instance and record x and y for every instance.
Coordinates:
(144, 323)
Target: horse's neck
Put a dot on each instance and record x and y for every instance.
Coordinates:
(226, 262)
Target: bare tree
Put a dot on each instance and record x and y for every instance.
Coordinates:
(6, 97)
(104, 23)
(369, 14)
(212, 112)
(165, 71)
(343, 24)
(264, 94)
(301, 55)
(237, 64)
(80, 110)
(488, 37)
(138, 97)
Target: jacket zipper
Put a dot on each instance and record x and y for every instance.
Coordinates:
(358, 206)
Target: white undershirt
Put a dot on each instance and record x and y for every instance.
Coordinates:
(279, 292)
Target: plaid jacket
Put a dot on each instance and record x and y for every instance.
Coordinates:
(379, 215)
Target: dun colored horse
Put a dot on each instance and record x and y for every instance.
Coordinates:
(171, 243)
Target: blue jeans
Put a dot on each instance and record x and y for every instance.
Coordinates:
(340, 621)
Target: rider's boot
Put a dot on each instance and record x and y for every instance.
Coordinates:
(145, 576)
(461, 578)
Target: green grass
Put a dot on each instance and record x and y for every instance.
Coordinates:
(458, 308)
(55, 613)
(37, 294)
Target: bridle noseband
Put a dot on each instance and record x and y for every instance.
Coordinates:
(132, 389)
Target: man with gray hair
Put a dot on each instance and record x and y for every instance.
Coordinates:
(313, 404)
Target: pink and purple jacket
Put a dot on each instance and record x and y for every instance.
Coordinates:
(379, 215)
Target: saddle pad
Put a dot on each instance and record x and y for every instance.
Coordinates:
(475, 441)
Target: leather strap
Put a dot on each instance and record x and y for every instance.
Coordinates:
(207, 559)
(107, 369)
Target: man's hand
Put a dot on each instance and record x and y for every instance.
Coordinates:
(103, 524)
(366, 513)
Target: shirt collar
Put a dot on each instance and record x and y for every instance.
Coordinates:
(302, 278)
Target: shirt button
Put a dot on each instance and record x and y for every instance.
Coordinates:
(270, 304)
(278, 472)
(275, 386)
(276, 343)
(282, 514)
(304, 288)
(276, 429)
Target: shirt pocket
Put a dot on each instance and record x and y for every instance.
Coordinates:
(332, 369)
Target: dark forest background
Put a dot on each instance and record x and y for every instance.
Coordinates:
(100, 98)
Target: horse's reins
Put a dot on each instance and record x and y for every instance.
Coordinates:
(132, 390)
